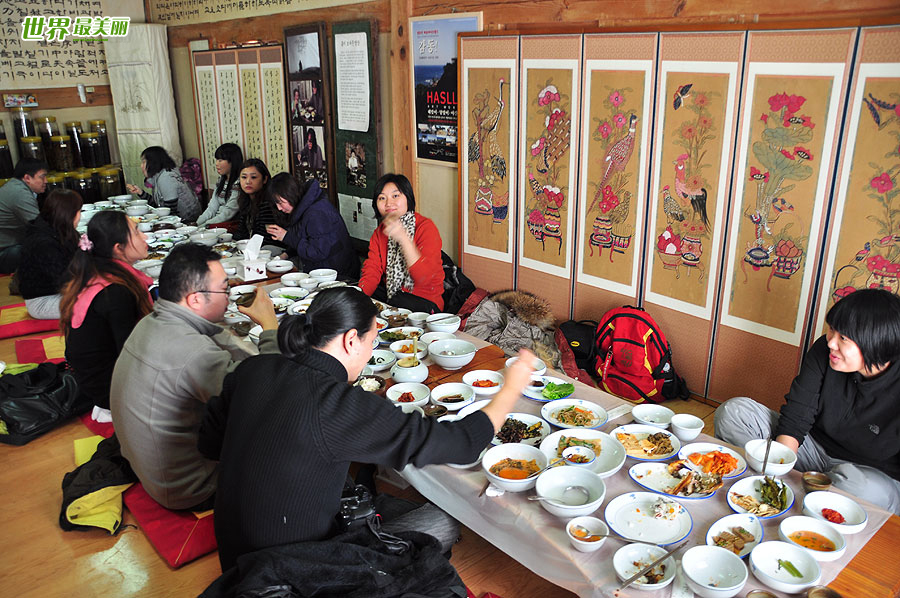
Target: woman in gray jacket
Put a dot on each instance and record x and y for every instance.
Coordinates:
(223, 205)
(168, 188)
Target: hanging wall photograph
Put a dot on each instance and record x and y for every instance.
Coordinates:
(434, 83)
(308, 116)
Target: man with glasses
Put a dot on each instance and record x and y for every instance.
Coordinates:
(172, 363)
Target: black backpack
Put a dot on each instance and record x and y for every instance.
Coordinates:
(580, 338)
(34, 402)
(457, 286)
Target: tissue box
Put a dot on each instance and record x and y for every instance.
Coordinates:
(252, 270)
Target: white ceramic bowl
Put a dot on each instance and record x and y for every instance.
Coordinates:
(408, 408)
(643, 554)
(242, 244)
(136, 210)
(282, 304)
(382, 360)
(308, 283)
(280, 266)
(151, 268)
(430, 337)
(801, 523)
(144, 227)
(106, 203)
(714, 572)
(854, 515)
(204, 238)
(686, 427)
(417, 318)
(652, 415)
(420, 391)
(133, 202)
(749, 486)
(162, 211)
(579, 456)
(324, 274)
(120, 200)
(442, 323)
(292, 293)
(217, 230)
(594, 526)
(292, 279)
(764, 565)
(452, 388)
(225, 237)
(540, 368)
(749, 522)
(553, 483)
(89, 207)
(781, 458)
(186, 230)
(396, 346)
(232, 317)
(484, 391)
(452, 354)
(409, 331)
(238, 290)
(606, 464)
(400, 311)
(515, 450)
(416, 373)
(254, 333)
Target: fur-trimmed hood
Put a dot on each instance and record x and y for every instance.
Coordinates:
(529, 308)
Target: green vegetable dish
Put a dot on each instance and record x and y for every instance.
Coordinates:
(553, 391)
(789, 567)
(772, 492)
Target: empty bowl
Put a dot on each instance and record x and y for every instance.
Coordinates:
(442, 323)
(584, 527)
(452, 354)
(162, 211)
(308, 283)
(485, 383)
(204, 238)
(685, 426)
(652, 415)
(136, 210)
(714, 572)
(781, 458)
(292, 279)
(279, 266)
(417, 319)
(556, 484)
(324, 274)
(430, 337)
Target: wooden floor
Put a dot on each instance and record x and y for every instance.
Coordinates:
(39, 559)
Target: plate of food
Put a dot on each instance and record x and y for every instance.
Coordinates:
(522, 427)
(574, 413)
(675, 479)
(763, 496)
(648, 517)
(548, 388)
(401, 333)
(647, 443)
(609, 452)
(738, 533)
(710, 457)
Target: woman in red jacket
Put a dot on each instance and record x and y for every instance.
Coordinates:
(404, 266)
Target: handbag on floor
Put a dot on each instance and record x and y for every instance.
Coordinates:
(34, 402)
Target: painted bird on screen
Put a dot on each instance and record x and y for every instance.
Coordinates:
(681, 95)
(697, 196)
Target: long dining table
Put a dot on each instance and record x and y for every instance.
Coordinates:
(524, 530)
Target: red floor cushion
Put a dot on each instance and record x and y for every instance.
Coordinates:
(15, 321)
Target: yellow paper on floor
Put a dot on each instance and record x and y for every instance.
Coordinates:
(85, 449)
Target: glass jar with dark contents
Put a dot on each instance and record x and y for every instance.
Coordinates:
(2, 131)
(46, 128)
(70, 181)
(23, 125)
(74, 130)
(87, 187)
(90, 149)
(99, 126)
(110, 185)
(60, 156)
(6, 165)
(32, 148)
(56, 180)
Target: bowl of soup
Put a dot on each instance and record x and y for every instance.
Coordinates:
(821, 541)
(508, 466)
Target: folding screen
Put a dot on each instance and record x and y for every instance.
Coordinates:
(696, 98)
(488, 121)
(864, 239)
(792, 104)
(617, 85)
(549, 112)
(240, 99)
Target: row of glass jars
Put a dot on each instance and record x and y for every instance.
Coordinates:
(94, 184)
(41, 138)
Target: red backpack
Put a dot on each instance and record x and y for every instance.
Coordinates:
(633, 358)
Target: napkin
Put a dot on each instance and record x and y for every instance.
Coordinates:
(251, 251)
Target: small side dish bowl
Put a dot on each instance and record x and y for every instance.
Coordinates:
(631, 558)
(452, 354)
(417, 319)
(442, 323)
(397, 348)
(420, 392)
(371, 383)
(554, 483)
(766, 563)
(781, 458)
(652, 415)
(815, 480)
(540, 368)
(324, 274)
(381, 360)
(308, 283)
(854, 516)
(292, 279)
(485, 383)
(280, 266)
(517, 451)
(449, 395)
(594, 527)
(805, 527)
(579, 456)
(686, 427)
(714, 572)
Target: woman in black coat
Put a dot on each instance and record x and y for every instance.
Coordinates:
(49, 245)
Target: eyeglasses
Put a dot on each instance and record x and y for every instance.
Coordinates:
(218, 292)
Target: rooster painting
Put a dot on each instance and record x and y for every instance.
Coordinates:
(696, 195)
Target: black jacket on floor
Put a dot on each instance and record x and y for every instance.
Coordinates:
(45, 261)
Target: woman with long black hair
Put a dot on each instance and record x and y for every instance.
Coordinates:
(50, 242)
(281, 478)
(103, 300)
(168, 189)
(223, 205)
(255, 212)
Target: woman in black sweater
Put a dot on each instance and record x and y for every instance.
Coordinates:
(286, 428)
(254, 212)
(841, 414)
(102, 302)
(49, 245)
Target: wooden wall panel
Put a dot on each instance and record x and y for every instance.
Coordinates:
(793, 101)
(696, 99)
(490, 275)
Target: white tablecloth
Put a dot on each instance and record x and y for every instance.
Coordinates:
(537, 539)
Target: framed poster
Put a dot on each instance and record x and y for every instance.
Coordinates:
(308, 96)
(434, 84)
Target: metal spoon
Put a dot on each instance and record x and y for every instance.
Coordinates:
(581, 489)
(613, 536)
